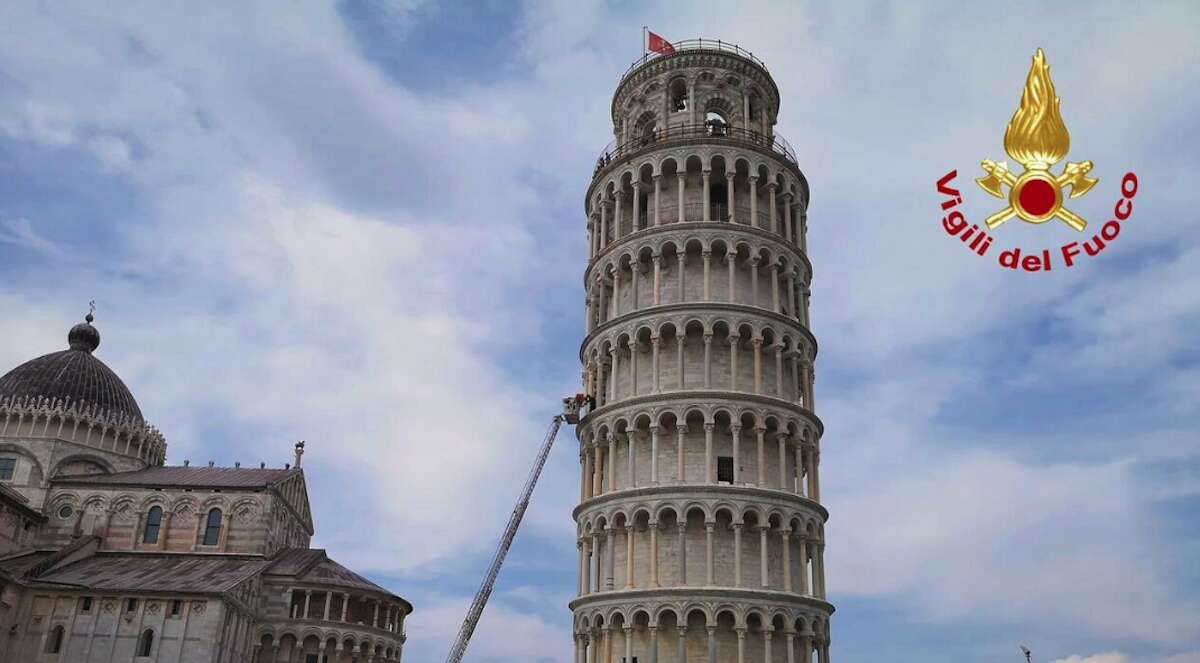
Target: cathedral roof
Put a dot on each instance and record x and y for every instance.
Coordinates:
(74, 377)
(141, 572)
(313, 565)
(191, 477)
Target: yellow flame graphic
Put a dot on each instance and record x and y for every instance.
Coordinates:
(1036, 135)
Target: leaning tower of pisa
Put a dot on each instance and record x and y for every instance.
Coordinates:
(700, 525)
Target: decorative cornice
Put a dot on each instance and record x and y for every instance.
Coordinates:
(56, 416)
(691, 397)
(685, 491)
(699, 594)
(702, 310)
(681, 232)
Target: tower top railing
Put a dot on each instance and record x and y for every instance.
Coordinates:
(695, 45)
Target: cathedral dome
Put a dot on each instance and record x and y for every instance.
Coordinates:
(73, 376)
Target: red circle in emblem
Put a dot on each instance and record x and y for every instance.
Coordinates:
(1037, 197)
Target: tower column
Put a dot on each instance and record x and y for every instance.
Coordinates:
(735, 431)
(785, 537)
(787, 216)
(761, 432)
(682, 525)
(680, 339)
(752, 263)
(733, 362)
(654, 454)
(754, 201)
(791, 293)
(778, 347)
(707, 256)
(653, 526)
(775, 287)
(730, 196)
(637, 206)
(708, 544)
(771, 186)
(731, 262)
(707, 360)
(707, 198)
(608, 554)
(635, 273)
(620, 207)
(629, 581)
(682, 180)
(737, 554)
(603, 225)
(657, 190)
(681, 262)
(680, 472)
(657, 259)
(616, 362)
(581, 544)
(803, 550)
(757, 342)
(762, 548)
(783, 481)
(709, 475)
(612, 462)
(631, 455)
(616, 296)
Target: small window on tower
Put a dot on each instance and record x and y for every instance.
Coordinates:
(176, 607)
(725, 469)
(7, 466)
(85, 604)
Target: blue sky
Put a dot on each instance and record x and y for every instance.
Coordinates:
(361, 224)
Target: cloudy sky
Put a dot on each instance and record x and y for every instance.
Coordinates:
(361, 224)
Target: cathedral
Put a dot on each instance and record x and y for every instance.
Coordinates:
(109, 554)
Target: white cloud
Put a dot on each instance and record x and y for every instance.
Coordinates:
(20, 232)
(1112, 657)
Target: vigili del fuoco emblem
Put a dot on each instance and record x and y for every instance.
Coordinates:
(1037, 138)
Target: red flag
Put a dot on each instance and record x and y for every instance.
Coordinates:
(660, 45)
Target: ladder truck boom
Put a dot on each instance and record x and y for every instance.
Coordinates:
(571, 406)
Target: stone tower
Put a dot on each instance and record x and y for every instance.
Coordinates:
(700, 527)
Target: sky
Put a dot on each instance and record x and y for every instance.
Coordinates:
(361, 224)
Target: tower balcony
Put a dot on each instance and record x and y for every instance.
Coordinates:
(616, 152)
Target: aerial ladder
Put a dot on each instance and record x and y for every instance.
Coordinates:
(570, 414)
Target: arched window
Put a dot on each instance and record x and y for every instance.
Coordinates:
(55, 641)
(145, 643)
(716, 124)
(679, 95)
(212, 531)
(153, 524)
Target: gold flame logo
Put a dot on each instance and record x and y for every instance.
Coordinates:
(1037, 138)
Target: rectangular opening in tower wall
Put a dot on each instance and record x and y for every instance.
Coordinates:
(725, 469)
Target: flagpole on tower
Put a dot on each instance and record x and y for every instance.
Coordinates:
(644, 29)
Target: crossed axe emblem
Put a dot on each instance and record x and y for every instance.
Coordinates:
(1073, 176)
